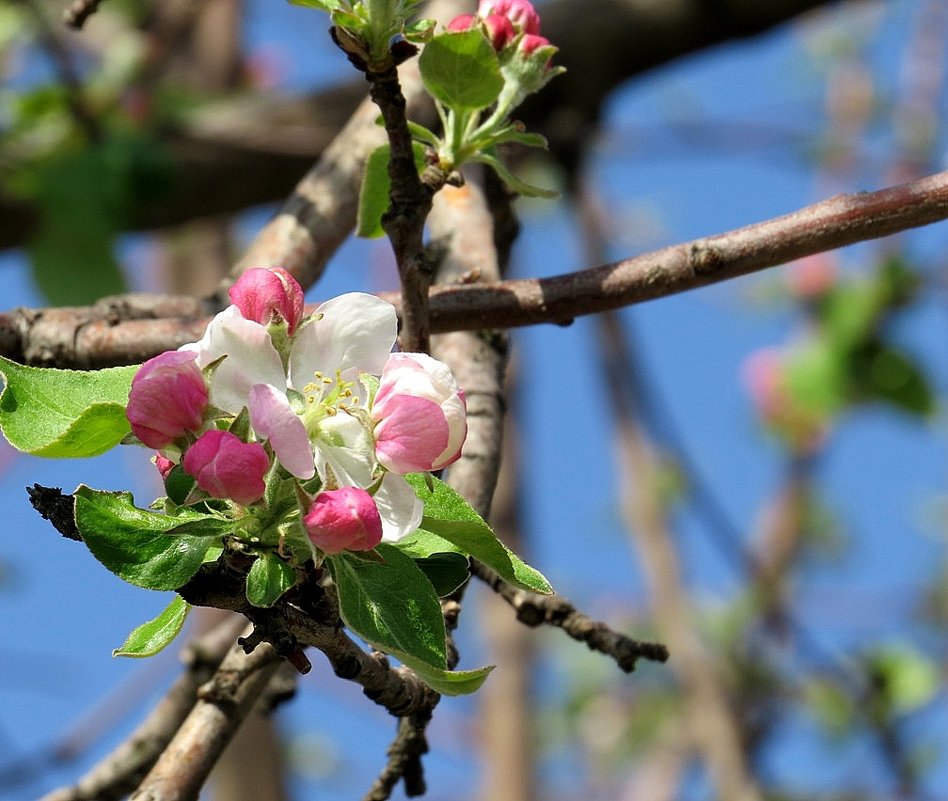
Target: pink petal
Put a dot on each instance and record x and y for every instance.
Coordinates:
(412, 435)
(273, 419)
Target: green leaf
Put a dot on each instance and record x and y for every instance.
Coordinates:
(373, 194)
(151, 637)
(135, 544)
(461, 70)
(890, 376)
(515, 183)
(450, 524)
(324, 5)
(391, 605)
(446, 682)
(423, 134)
(909, 679)
(64, 413)
(446, 571)
(817, 378)
(179, 484)
(513, 134)
(269, 577)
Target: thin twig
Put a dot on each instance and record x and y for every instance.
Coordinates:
(66, 72)
(76, 14)
(410, 203)
(554, 610)
(839, 221)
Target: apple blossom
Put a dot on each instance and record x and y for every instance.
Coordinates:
(266, 296)
(420, 414)
(168, 397)
(227, 467)
(343, 519)
(314, 412)
(164, 464)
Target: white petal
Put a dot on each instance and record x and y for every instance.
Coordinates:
(251, 358)
(356, 332)
(399, 508)
(273, 419)
(346, 446)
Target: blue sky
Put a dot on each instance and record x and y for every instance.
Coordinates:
(61, 613)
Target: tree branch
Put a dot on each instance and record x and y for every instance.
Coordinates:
(223, 703)
(74, 338)
(122, 770)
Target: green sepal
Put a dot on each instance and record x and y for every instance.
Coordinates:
(135, 544)
(450, 524)
(268, 578)
(323, 5)
(155, 635)
(461, 70)
(64, 413)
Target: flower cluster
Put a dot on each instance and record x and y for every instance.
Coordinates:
(269, 392)
(507, 22)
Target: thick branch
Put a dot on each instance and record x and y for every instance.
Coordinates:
(122, 770)
(71, 338)
(222, 705)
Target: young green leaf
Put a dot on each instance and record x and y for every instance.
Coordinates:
(269, 577)
(373, 194)
(391, 604)
(450, 524)
(135, 544)
(153, 636)
(64, 413)
(446, 682)
(518, 185)
(461, 70)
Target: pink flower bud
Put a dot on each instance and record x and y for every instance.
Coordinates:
(462, 22)
(520, 12)
(420, 415)
(227, 467)
(344, 519)
(530, 43)
(164, 465)
(167, 398)
(500, 31)
(268, 295)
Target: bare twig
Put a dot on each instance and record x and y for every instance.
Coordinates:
(410, 202)
(554, 610)
(66, 72)
(839, 221)
(77, 12)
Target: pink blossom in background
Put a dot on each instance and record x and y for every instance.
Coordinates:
(344, 519)
(266, 296)
(227, 467)
(420, 414)
(168, 397)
